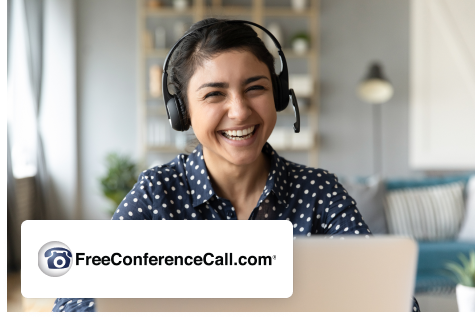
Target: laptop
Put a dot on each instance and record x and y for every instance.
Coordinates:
(350, 274)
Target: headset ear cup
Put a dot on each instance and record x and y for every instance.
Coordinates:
(283, 92)
(276, 90)
(173, 114)
(183, 114)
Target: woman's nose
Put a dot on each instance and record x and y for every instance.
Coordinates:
(239, 109)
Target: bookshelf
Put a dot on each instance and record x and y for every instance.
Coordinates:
(160, 25)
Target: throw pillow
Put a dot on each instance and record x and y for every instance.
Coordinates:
(429, 213)
(369, 197)
(467, 233)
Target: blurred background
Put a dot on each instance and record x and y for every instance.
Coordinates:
(386, 90)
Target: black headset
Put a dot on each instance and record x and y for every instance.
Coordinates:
(282, 93)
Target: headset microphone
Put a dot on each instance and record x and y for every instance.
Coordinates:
(282, 93)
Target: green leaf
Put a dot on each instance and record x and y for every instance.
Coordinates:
(301, 35)
(472, 260)
(119, 179)
(464, 273)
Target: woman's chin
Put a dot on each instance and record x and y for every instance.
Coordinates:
(241, 157)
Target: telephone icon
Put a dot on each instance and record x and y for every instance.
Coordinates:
(59, 258)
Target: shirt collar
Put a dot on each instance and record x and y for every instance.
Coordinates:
(198, 177)
(277, 175)
(202, 191)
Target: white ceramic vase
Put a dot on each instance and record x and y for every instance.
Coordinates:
(465, 298)
(180, 5)
(300, 46)
(299, 5)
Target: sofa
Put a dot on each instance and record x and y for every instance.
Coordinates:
(438, 212)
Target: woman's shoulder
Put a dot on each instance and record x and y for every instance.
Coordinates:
(305, 183)
(166, 174)
(307, 173)
(157, 189)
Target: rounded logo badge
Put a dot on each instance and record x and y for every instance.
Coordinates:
(55, 259)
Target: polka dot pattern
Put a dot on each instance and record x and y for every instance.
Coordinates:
(311, 199)
(177, 190)
(74, 305)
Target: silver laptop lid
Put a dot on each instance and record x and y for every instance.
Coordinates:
(350, 274)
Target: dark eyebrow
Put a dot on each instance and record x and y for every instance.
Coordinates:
(252, 79)
(213, 85)
(226, 85)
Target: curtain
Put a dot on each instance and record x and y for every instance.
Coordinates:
(13, 238)
(13, 232)
(27, 13)
(42, 99)
(34, 13)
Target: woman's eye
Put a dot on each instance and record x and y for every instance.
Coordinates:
(255, 88)
(213, 94)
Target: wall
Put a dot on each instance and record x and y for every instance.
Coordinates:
(353, 34)
(107, 60)
(442, 85)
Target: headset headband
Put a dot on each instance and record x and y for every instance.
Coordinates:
(283, 79)
(277, 44)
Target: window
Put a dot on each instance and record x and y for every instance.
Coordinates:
(22, 122)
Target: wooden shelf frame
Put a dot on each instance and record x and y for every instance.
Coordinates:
(258, 13)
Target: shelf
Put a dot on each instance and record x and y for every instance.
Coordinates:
(288, 52)
(167, 12)
(157, 53)
(293, 149)
(164, 149)
(289, 111)
(228, 11)
(152, 107)
(147, 97)
(287, 12)
(161, 112)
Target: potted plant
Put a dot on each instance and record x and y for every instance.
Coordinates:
(464, 275)
(300, 43)
(120, 178)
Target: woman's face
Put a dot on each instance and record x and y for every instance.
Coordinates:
(231, 106)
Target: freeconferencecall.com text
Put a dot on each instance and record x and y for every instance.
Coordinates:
(207, 259)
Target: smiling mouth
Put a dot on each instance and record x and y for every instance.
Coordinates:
(239, 134)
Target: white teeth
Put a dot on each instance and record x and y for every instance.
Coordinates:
(239, 134)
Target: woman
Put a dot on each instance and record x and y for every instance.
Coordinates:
(224, 75)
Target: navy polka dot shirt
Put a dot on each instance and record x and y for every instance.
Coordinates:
(312, 199)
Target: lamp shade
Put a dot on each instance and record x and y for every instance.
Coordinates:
(375, 88)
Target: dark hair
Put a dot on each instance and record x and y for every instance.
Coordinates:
(208, 42)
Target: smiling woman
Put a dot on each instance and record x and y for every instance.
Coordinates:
(240, 113)
(225, 87)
